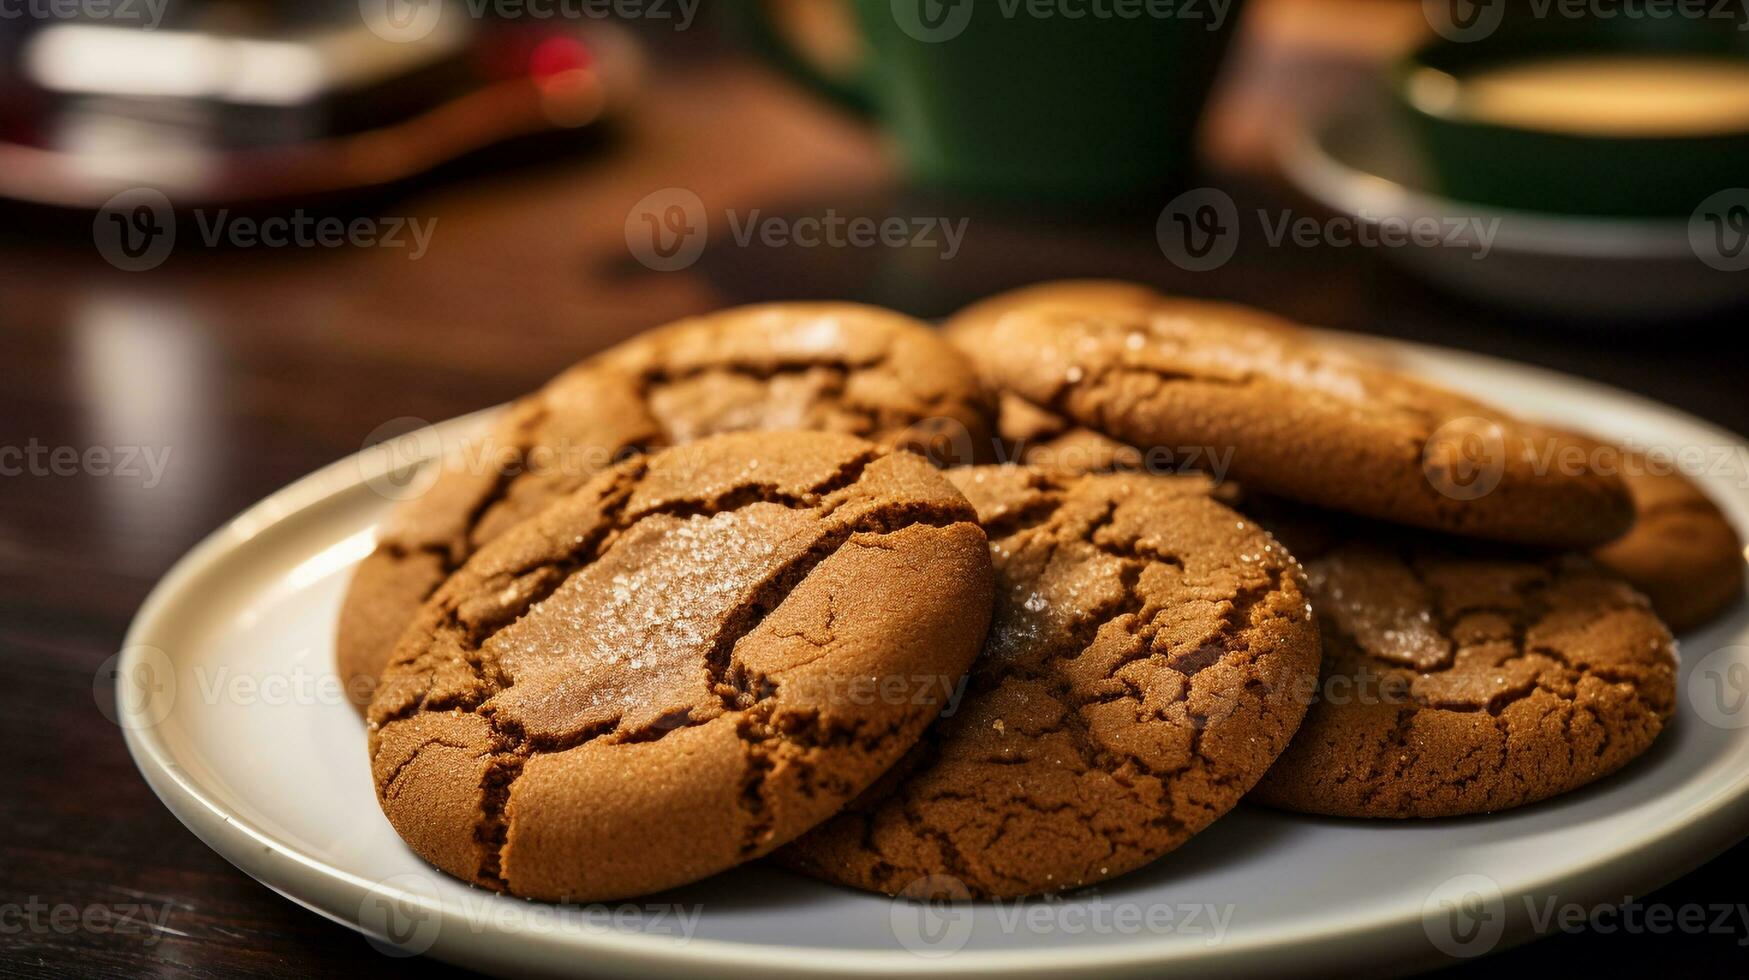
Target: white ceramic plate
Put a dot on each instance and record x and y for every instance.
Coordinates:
(225, 718)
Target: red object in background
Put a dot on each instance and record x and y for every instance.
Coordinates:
(556, 55)
(530, 53)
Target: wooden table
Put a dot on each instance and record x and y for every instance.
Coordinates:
(254, 366)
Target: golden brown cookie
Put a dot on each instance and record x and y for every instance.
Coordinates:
(1293, 416)
(1033, 435)
(1460, 681)
(1681, 552)
(1104, 296)
(680, 666)
(1147, 660)
(828, 366)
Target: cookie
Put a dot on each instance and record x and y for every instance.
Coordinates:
(1147, 660)
(680, 666)
(1094, 296)
(1459, 680)
(1682, 552)
(827, 366)
(1030, 434)
(1292, 416)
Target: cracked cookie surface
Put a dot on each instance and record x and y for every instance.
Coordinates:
(837, 367)
(1460, 680)
(1144, 666)
(1299, 417)
(679, 666)
(1031, 434)
(1682, 551)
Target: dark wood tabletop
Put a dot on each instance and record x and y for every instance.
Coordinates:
(254, 366)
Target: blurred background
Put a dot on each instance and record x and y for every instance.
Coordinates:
(260, 235)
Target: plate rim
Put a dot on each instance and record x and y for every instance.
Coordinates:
(1662, 856)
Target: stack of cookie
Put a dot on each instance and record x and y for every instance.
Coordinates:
(761, 583)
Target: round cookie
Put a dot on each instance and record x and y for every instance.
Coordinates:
(1147, 660)
(1681, 552)
(1460, 681)
(1304, 420)
(827, 366)
(680, 666)
(1102, 296)
(1032, 435)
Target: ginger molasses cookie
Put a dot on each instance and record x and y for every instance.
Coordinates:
(1030, 433)
(1681, 552)
(1103, 295)
(1459, 680)
(1148, 659)
(828, 366)
(1306, 420)
(680, 666)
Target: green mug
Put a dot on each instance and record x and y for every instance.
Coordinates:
(1036, 100)
(1523, 167)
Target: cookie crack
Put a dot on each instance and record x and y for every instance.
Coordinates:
(1448, 618)
(386, 787)
(770, 737)
(617, 518)
(840, 371)
(454, 550)
(754, 730)
(657, 375)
